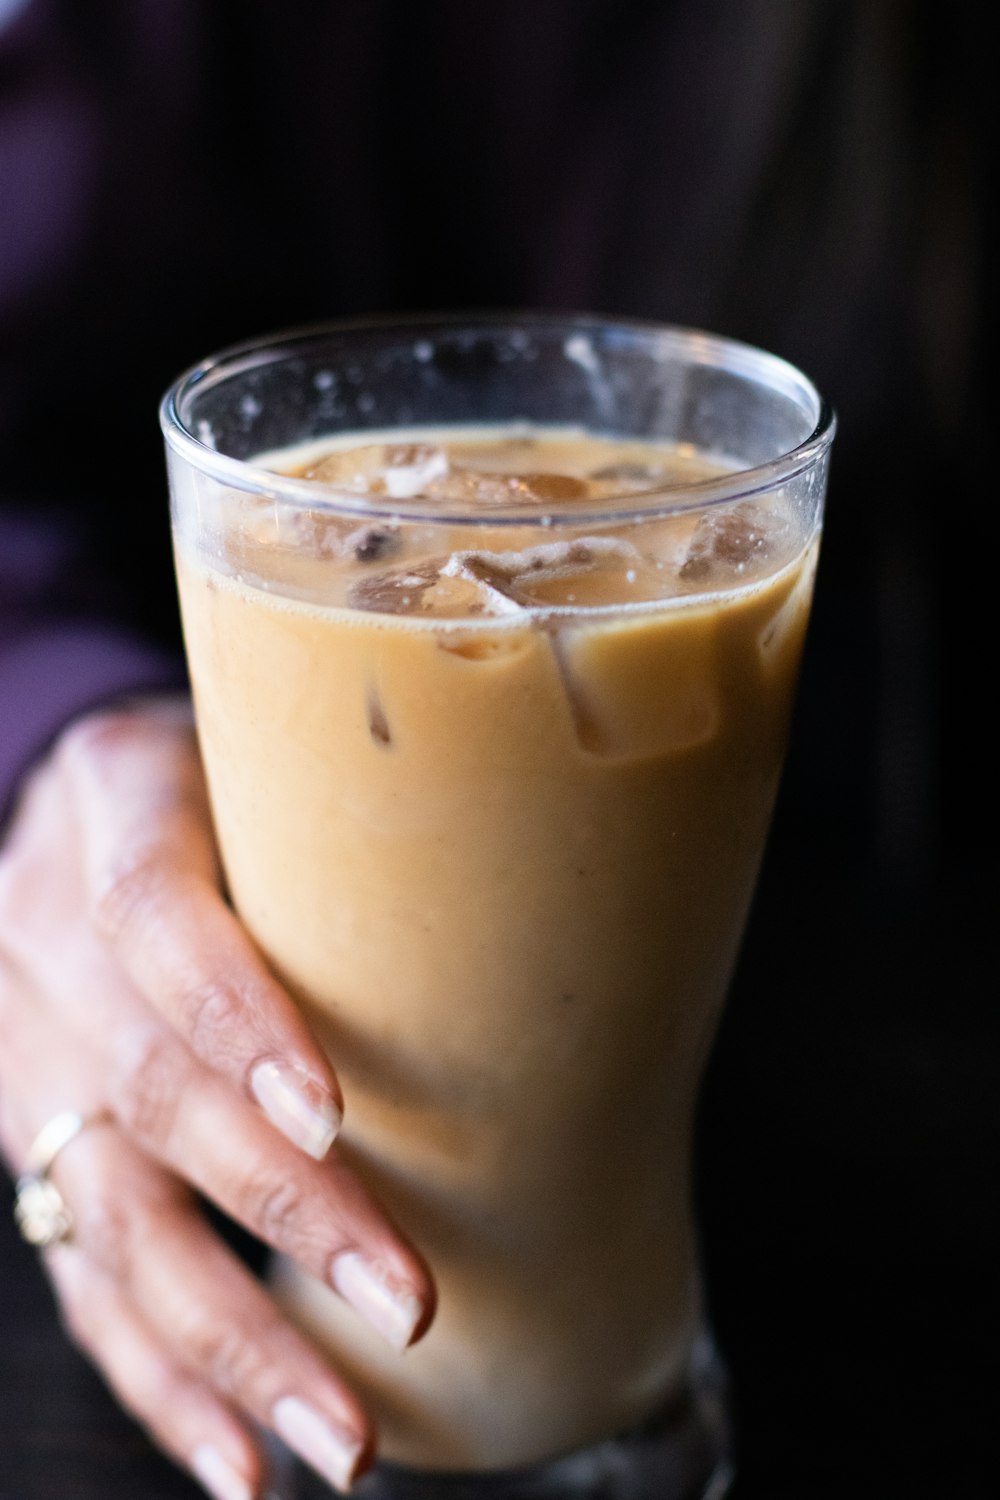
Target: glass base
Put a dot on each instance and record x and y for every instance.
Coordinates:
(680, 1454)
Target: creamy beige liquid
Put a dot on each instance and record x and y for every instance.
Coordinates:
(499, 834)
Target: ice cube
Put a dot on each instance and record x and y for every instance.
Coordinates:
(499, 457)
(319, 534)
(480, 647)
(371, 543)
(730, 541)
(546, 487)
(553, 573)
(780, 639)
(399, 470)
(479, 582)
(630, 477)
(356, 469)
(411, 468)
(585, 725)
(639, 688)
(288, 528)
(481, 487)
(399, 592)
(512, 571)
(448, 588)
(494, 583)
(469, 488)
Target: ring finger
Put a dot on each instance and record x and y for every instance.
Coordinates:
(182, 1413)
(202, 1307)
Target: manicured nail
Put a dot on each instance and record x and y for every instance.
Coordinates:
(332, 1453)
(390, 1309)
(299, 1107)
(217, 1475)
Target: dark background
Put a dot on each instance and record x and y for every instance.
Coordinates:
(809, 176)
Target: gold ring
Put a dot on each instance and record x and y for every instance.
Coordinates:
(42, 1213)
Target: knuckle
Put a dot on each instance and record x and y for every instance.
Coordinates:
(233, 1362)
(93, 1323)
(105, 1231)
(147, 1085)
(127, 893)
(211, 1014)
(93, 739)
(275, 1209)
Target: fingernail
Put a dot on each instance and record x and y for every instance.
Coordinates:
(217, 1475)
(391, 1311)
(332, 1453)
(299, 1107)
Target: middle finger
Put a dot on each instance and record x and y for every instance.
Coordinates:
(187, 1117)
(319, 1214)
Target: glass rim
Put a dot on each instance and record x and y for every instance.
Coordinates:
(707, 350)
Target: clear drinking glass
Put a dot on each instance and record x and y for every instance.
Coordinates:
(491, 781)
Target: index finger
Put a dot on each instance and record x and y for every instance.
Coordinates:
(152, 877)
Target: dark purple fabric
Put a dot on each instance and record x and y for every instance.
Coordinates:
(61, 651)
(48, 677)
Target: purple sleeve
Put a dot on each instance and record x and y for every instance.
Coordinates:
(68, 641)
(57, 662)
(50, 676)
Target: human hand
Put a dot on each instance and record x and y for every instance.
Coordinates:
(129, 989)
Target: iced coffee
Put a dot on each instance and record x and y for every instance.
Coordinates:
(493, 716)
